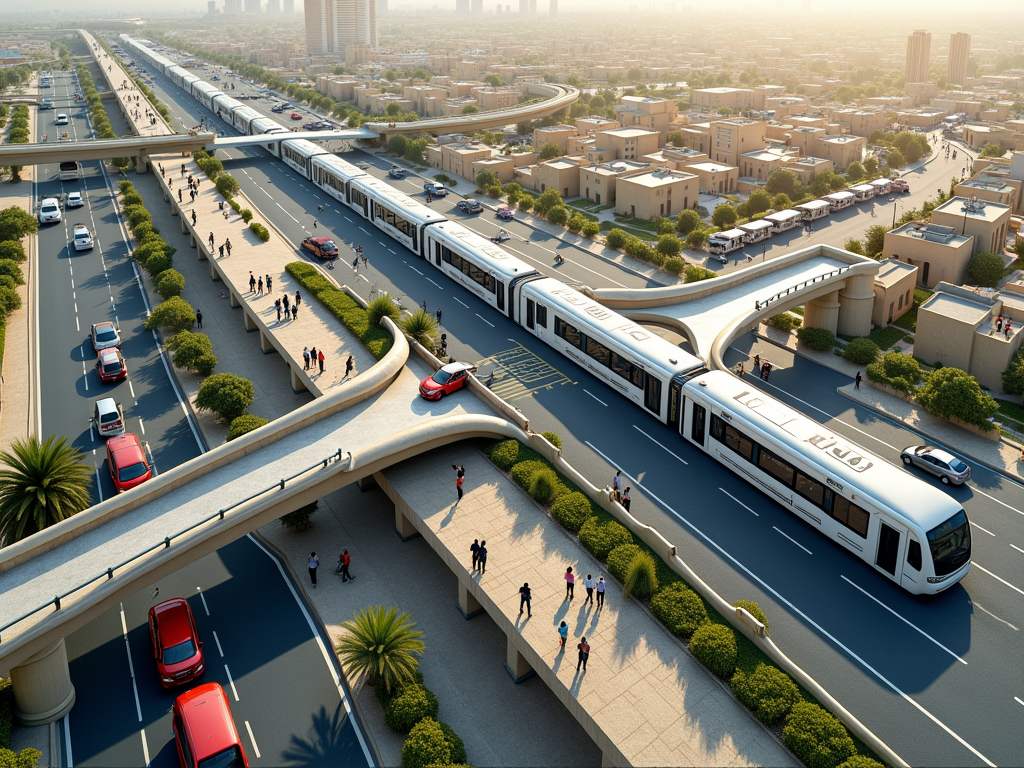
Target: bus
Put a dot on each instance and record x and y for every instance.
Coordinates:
(70, 170)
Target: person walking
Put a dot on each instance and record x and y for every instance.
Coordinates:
(481, 558)
(757, 361)
(285, 300)
(199, 318)
(767, 370)
(346, 561)
(314, 223)
(600, 588)
(252, 282)
(563, 635)
(1006, 328)
(857, 380)
(194, 217)
(298, 299)
(179, 194)
(625, 499)
(458, 487)
(438, 315)
(277, 306)
(588, 584)
(221, 251)
(182, 169)
(287, 313)
(211, 241)
(350, 366)
(617, 485)
(474, 550)
(524, 599)
(312, 357)
(270, 284)
(295, 312)
(305, 358)
(584, 648)
(320, 359)
(313, 563)
(570, 583)
(259, 286)
(739, 370)
(424, 305)
(227, 244)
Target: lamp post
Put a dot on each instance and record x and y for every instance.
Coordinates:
(894, 206)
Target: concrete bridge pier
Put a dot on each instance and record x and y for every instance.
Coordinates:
(181, 219)
(823, 312)
(250, 323)
(191, 237)
(468, 605)
(142, 162)
(235, 303)
(297, 385)
(214, 274)
(265, 346)
(201, 253)
(856, 300)
(405, 529)
(43, 692)
(516, 665)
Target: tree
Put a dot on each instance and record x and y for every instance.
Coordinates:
(758, 202)
(12, 250)
(696, 239)
(687, 221)
(549, 151)
(392, 109)
(874, 240)
(192, 351)
(175, 314)
(895, 159)
(950, 392)
(781, 181)
(225, 394)
(635, 75)
(985, 269)
(486, 178)
(557, 214)
(781, 201)
(724, 216)
(493, 80)
(15, 223)
(664, 226)
(992, 150)
(227, 185)
(597, 103)
(871, 166)
(422, 327)
(470, 109)
(383, 645)
(669, 245)
(42, 484)
(853, 245)
(855, 171)
(548, 199)
(524, 128)
(170, 283)
(397, 145)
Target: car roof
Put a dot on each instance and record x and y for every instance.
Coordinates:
(319, 240)
(109, 352)
(74, 194)
(106, 405)
(49, 201)
(104, 324)
(82, 227)
(207, 718)
(172, 616)
(942, 455)
(126, 448)
(456, 367)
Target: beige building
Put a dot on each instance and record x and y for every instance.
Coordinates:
(457, 159)
(1010, 173)
(991, 191)
(587, 125)
(495, 98)
(939, 253)
(956, 327)
(561, 173)
(655, 193)
(806, 168)
(927, 117)
(841, 150)
(861, 122)
(919, 48)
(597, 182)
(985, 222)
(762, 95)
(783, 106)
(673, 158)
(502, 166)
(959, 54)
(552, 134)
(731, 138)
(628, 143)
(761, 163)
(894, 291)
(736, 99)
(715, 178)
(653, 114)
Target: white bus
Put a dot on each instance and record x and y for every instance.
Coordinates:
(814, 210)
(862, 192)
(756, 231)
(726, 242)
(840, 200)
(783, 220)
(905, 528)
(882, 186)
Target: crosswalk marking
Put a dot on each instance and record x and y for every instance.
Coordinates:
(519, 373)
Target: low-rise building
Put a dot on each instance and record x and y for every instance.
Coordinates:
(736, 99)
(552, 134)
(984, 221)
(993, 191)
(655, 193)
(674, 158)
(939, 253)
(587, 125)
(651, 113)
(731, 138)
(921, 118)
(894, 291)
(502, 166)
(457, 159)
(561, 173)
(761, 163)
(715, 178)
(597, 182)
(628, 143)
(841, 150)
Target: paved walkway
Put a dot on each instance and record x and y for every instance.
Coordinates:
(642, 690)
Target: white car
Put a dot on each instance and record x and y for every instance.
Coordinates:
(62, 119)
(74, 200)
(83, 238)
(108, 417)
(104, 336)
(49, 211)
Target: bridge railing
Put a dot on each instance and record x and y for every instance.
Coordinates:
(759, 304)
(166, 542)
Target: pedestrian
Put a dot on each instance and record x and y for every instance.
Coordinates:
(227, 244)
(458, 487)
(270, 284)
(295, 312)
(161, 167)
(424, 304)
(287, 313)
(757, 360)
(192, 194)
(764, 370)
(739, 370)
(313, 563)
(767, 370)
(350, 365)
(563, 635)
(319, 207)
(625, 499)
(305, 358)
(182, 169)
(584, 648)
(285, 300)
(570, 583)
(298, 298)
(259, 286)
(601, 586)
(999, 324)
(438, 315)
(312, 357)
(211, 241)
(1006, 329)
(857, 380)
(617, 484)
(179, 194)
(588, 584)
(346, 561)
(460, 470)
(320, 359)
(252, 282)
(199, 318)
(193, 217)
(474, 549)
(314, 223)
(444, 344)
(524, 599)
(277, 306)
(221, 249)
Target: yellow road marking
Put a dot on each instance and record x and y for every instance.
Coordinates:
(519, 373)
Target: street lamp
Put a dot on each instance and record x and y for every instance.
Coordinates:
(894, 206)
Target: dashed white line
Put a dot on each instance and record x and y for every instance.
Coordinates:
(999, 578)
(145, 747)
(253, 740)
(755, 514)
(131, 389)
(437, 284)
(394, 252)
(602, 402)
(983, 530)
(286, 212)
(1017, 699)
(364, 230)
(461, 302)
(1017, 548)
(410, 266)
(217, 640)
(805, 549)
(670, 453)
(131, 666)
(363, 278)
(141, 425)
(485, 319)
(997, 501)
(983, 609)
(203, 598)
(230, 680)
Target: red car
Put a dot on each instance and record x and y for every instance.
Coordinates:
(505, 213)
(127, 460)
(322, 247)
(296, 116)
(450, 378)
(176, 646)
(111, 365)
(204, 731)
(899, 185)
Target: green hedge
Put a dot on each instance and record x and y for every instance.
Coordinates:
(816, 737)
(620, 558)
(507, 453)
(714, 645)
(432, 743)
(754, 610)
(679, 608)
(572, 511)
(861, 351)
(896, 370)
(523, 471)
(408, 707)
(244, 424)
(820, 339)
(768, 692)
(260, 231)
(600, 535)
(377, 340)
(6, 711)
(784, 321)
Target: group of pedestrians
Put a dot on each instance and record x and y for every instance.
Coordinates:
(283, 303)
(618, 493)
(1004, 326)
(256, 283)
(763, 368)
(478, 549)
(344, 563)
(312, 357)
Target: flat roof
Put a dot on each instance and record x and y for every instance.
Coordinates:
(712, 167)
(982, 210)
(658, 178)
(892, 271)
(723, 89)
(957, 308)
(629, 132)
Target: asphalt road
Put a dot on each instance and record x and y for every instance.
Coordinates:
(928, 675)
(260, 644)
(79, 288)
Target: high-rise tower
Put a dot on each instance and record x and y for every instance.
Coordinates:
(959, 53)
(919, 48)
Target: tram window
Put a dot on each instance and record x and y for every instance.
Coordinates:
(599, 352)
(914, 555)
(850, 515)
(626, 369)
(737, 441)
(810, 489)
(568, 332)
(542, 316)
(775, 467)
(468, 268)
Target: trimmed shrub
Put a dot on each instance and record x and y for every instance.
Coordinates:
(616, 238)
(12, 250)
(159, 263)
(137, 214)
(820, 339)
(170, 283)
(144, 230)
(784, 322)
(523, 471)
(227, 185)
(600, 537)
(543, 485)
(572, 510)
(12, 270)
(620, 558)
(299, 519)
(641, 576)
(6, 281)
(132, 198)
(768, 692)
(590, 229)
(145, 250)
(714, 645)
(861, 351)
(175, 314)
(507, 453)
(816, 737)
(426, 745)
(244, 424)
(410, 705)
(675, 266)
(695, 274)
(553, 438)
(9, 299)
(384, 695)
(953, 393)
(260, 231)
(380, 308)
(754, 610)
(679, 608)
(246, 215)
(896, 370)
(455, 743)
(861, 761)
(225, 394)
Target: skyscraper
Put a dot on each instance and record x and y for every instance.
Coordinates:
(919, 49)
(333, 24)
(232, 6)
(959, 53)
(533, 7)
(211, 7)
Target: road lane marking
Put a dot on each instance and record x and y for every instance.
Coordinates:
(1017, 548)
(143, 428)
(437, 284)
(905, 621)
(1017, 699)
(364, 230)
(131, 666)
(998, 578)
(131, 389)
(145, 747)
(825, 633)
(983, 609)
(286, 212)
(201, 596)
(755, 514)
(461, 302)
(394, 252)
(484, 319)
(253, 740)
(670, 453)
(230, 680)
(983, 530)
(997, 501)
(217, 640)
(410, 266)
(805, 549)
(602, 402)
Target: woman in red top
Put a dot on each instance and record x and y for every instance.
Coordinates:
(584, 648)
(570, 582)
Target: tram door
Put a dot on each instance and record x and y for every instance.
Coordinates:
(888, 548)
(698, 424)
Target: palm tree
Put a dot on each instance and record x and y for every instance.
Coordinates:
(43, 484)
(384, 645)
(422, 326)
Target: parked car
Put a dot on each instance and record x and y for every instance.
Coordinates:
(470, 206)
(49, 210)
(111, 366)
(82, 238)
(127, 461)
(215, 77)
(278, 109)
(74, 200)
(944, 465)
(322, 247)
(204, 731)
(396, 172)
(505, 213)
(436, 188)
(104, 335)
(176, 645)
(900, 185)
(108, 417)
(450, 378)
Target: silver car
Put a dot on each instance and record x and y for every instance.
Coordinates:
(944, 465)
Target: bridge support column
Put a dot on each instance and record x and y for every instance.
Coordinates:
(235, 303)
(42, 686)
(166, 196)
(191, 238)
(250, 324)
(856, 301)
(404, 527)
(516, 665)
(265, 346)
(297, 385)
(181, 219)
(202, 254)
(823, 312)
(214, 275)
(142, 163)
(468, 605)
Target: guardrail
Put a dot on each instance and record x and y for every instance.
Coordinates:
(166, 542)
(759, 305)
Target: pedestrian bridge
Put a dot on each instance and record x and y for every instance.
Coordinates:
(834, 286)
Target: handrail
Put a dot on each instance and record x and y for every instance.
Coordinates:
(165, 543)
(759, 305)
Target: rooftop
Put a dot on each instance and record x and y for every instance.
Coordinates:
(957, 308)
(658, 177)
(891, 271)
(933, 233)
(712, 167)
(722, 89)
(981, 210)
(629, 133)
(990, 186)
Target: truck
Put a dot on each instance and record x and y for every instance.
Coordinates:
(722, 243)
(70, 170)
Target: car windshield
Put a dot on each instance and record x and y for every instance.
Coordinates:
(329, 246)
(229, 758)
(81, 234)
(950, 544)
(133, 472)
(112, 367)
(180, 652)
(957, 466)
(108, 417)
(105, 334)
(441, 377)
